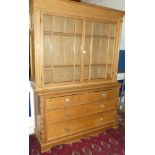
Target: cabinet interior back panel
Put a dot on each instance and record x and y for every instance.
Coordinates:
(63, 74)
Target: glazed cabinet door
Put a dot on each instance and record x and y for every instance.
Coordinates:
(62, 39)
(77, 50)
(99, 50)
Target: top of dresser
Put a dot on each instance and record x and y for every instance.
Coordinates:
(77, 87)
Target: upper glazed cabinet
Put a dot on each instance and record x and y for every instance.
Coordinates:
(73, 48)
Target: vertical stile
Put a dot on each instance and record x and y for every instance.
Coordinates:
(42, 105)
(98, 68)
(82, 48)
(91, 47)
(31, 44)
(63, 49)
(43, 119)
(107, 52)
(52, 53)
(37, 47)
(113, 56)
(99, 51)
(31, 55)
(74, 49)
(41, 49)
(118, 38)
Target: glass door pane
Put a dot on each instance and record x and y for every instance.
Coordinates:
(87, 49)
(78, 43)
(63, 58)
(99, 50)
(111, 52)
(62, 39)
(99, 55)
(63, 48)
(47, 57)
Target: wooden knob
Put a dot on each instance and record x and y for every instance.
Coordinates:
(67, 99)
(84, 52)
(104, 95)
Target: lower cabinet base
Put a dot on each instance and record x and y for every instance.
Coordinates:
(67, 116)
(73, 138)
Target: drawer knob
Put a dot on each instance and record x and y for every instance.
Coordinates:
(67, 129)
(104, 95)
(101, 119)
(102, 105)
(67, 114)
(67, 99)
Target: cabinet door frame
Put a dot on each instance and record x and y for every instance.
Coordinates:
(84, 19)
(74, 65)
(115, 50)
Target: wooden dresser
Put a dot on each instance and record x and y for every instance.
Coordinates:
(74, 49)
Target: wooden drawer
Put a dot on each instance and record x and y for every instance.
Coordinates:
(59, 115)
(66, 101)
(102, 95)
(70, 127)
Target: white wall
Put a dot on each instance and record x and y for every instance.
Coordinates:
(115, 4)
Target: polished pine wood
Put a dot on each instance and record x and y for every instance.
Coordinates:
(74, 58)
(77, 43)
(67, 43)
(65, 101)
(73, 112)
(70, 127)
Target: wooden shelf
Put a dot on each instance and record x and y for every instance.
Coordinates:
(99, 36)
(95, 65)
(62, 33)
(76, 34)
(99, 64)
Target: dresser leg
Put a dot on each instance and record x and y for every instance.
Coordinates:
(45, 149)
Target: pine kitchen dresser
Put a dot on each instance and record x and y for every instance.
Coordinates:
(74, 49)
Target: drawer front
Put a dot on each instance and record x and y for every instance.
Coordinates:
(60, 115)
(66, 101)
(70, 127)
(102, 95)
